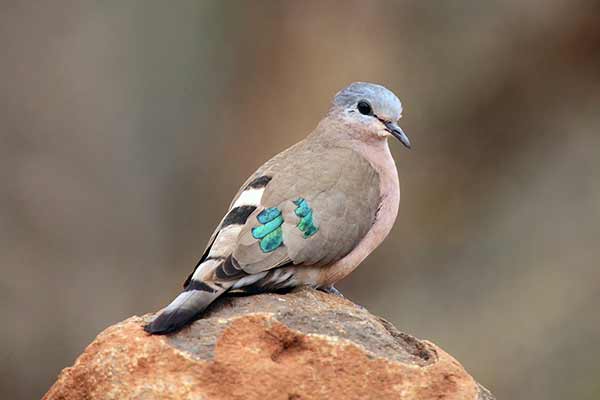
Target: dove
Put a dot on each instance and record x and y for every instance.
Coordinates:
(308, 216)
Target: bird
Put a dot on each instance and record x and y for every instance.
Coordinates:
(308, 216)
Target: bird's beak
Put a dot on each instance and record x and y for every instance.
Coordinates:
(397, 132)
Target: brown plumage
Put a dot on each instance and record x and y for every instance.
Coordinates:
(309, 215)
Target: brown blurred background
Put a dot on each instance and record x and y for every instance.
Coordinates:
(127, 126)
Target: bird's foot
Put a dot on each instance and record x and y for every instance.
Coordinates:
(332, 290)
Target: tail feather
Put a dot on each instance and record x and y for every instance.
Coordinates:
(186, 308)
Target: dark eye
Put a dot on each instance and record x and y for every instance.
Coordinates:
(364, 108)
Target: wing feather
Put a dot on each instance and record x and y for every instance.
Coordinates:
(343, 194)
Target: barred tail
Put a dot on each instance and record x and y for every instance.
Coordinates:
(185, 309)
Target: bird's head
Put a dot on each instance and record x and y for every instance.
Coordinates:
(370, 110)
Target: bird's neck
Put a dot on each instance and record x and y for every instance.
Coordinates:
(336, 132)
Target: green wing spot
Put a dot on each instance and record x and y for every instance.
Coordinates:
(305, 213)
(305, 222)
(262, 231)
(268, 215)
(272, 241)
(303, 209)
(269, 234)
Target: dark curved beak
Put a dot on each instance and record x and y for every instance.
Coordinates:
(397, 132)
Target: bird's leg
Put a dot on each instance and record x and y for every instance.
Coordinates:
(332, 290)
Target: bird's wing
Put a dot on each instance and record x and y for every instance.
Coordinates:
(312, 209)
(246, 201)
(303, 207)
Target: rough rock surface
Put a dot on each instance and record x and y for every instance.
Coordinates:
(298, 346)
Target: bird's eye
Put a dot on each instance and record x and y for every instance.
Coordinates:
(364, 108)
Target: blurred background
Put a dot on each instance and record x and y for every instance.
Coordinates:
(127, 126)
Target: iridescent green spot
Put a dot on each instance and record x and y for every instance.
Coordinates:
(268, 214)
(303, 209)
(305, 213)
(269, 234)
(272, 241)
(261, 231)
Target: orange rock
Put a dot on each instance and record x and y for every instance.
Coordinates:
(299, 346)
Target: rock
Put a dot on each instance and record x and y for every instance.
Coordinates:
(297, 346)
